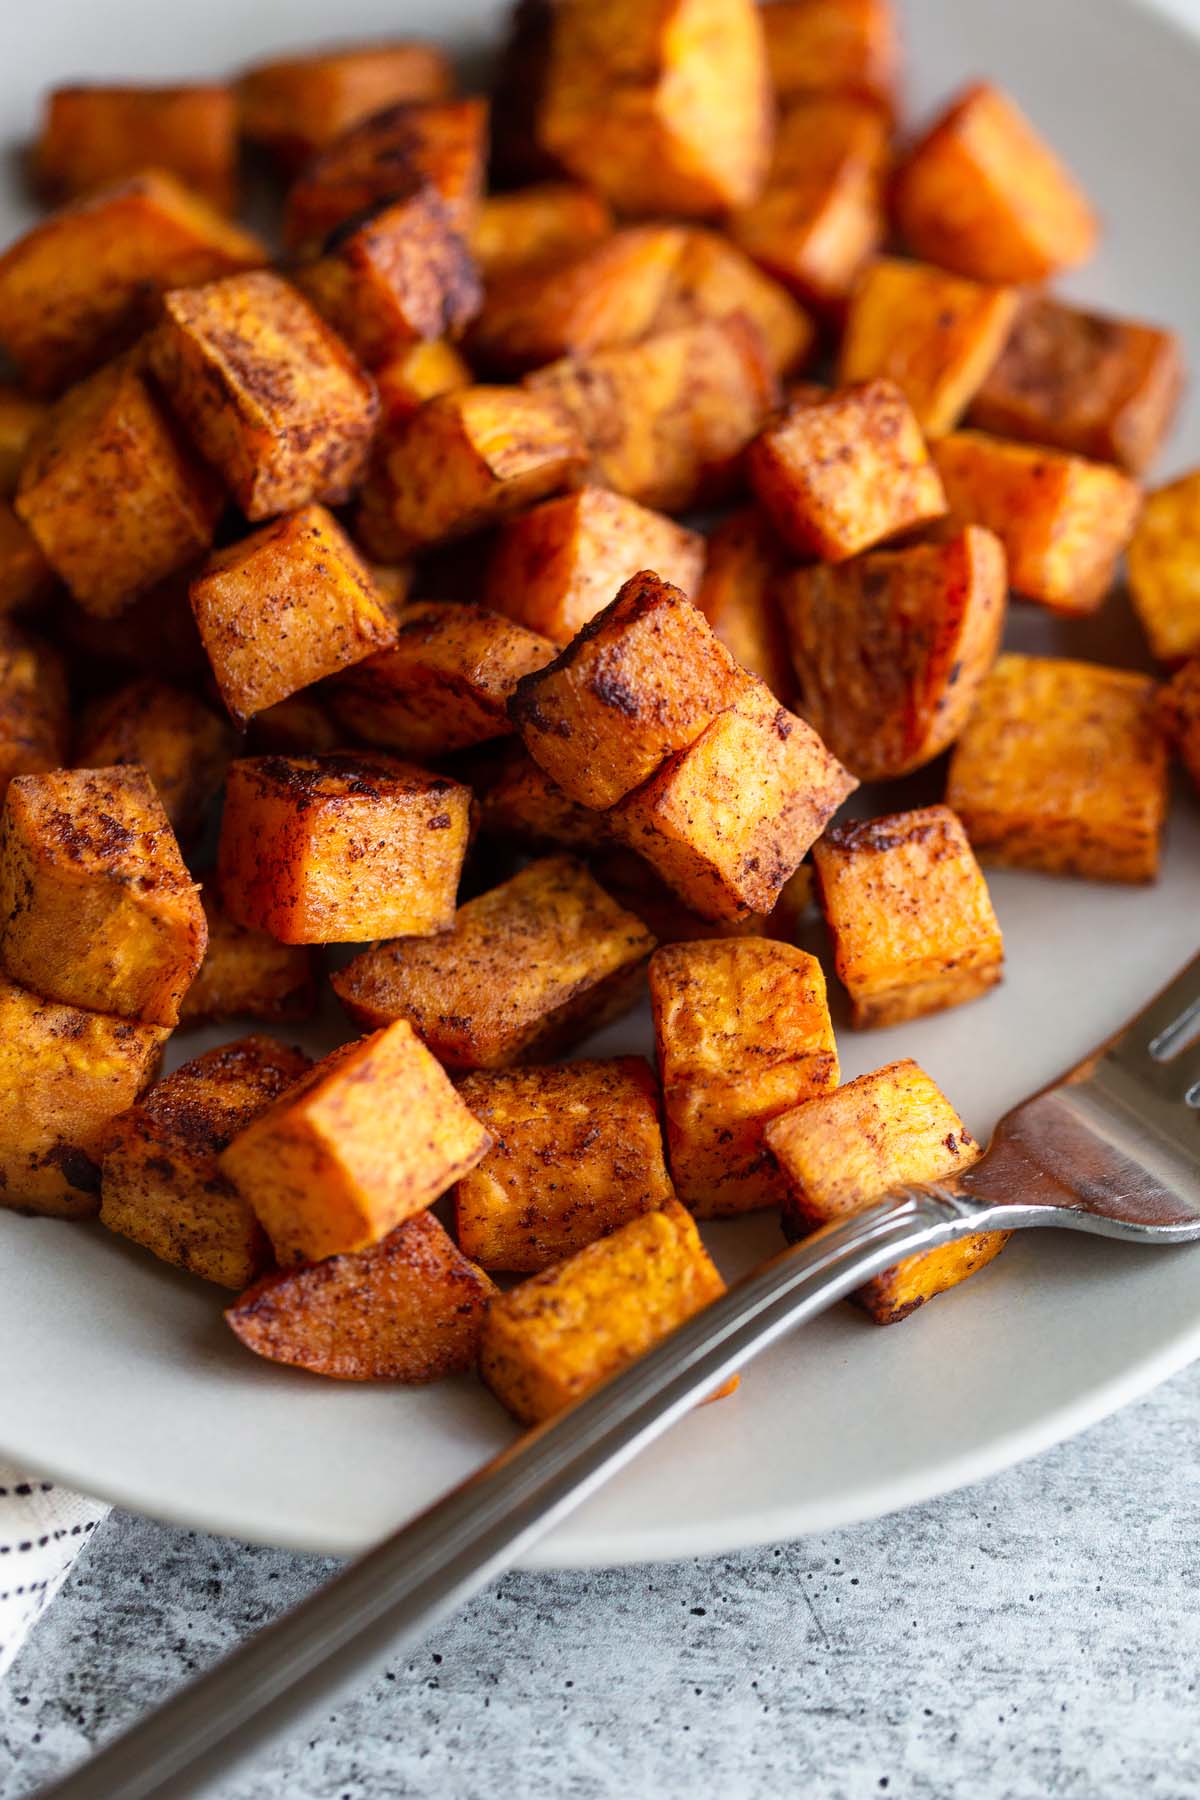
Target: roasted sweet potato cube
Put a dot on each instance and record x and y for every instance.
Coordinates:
(833, 46)
(1083, 381)
(420, 373)
(842, 1150)
(663, 108)
(161, 1184)
(398, 275)
(285, 607)
(85, 283)
(20, 416)
(737, 597)
(271, 397)
(34, 711)
(635, 885)
(92, 136)
(554, 568)
(577, 1150)
(1063, 521)
(728, 821)
(25, 575)
(341, 848)
(184, 747)
(466, 459)
(846, 472)
(296, 105)
(642, 679)
(517, 800)
(65, 1075)
(409, 1309)
(981, 193)
(371, 1136)
(934, 334)
(1179, 710)
(1062, 767)
(248, 974)
(743, 1033)
(821, 214)
(909, 913)
(713, 279)
(1164, 569)
(545, 223)
(96, 906)
(115, 501)
(890, 649)
(561, 1333)
(444, 685)
(528, 968)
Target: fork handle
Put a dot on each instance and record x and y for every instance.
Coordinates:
(396, 1592)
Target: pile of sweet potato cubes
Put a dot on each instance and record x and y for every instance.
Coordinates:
(385, 538)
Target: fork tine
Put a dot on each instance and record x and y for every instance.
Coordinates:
(1169, 1024)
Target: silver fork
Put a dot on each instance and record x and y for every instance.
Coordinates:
(1113, 1148)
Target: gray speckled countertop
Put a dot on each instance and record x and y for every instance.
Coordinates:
(1036, 1636)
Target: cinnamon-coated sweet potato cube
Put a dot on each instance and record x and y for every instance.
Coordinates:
(91, 136)
(833, 46)
(65, 1075)
(737, 597)
(466, 459)
(160, 1182)
(409, 1309)
(1063, 521)
(115, 501)
(577, 1151)
(642, 679)
(35, 720)
(713, 279)
(96, 906)
(983, 194)
(419, 373)
(555, 567)
(286, 607)
(369, 1137)
(821, 213)
(20, 416)
(25, 575)
(846, 472)
(934, 334)
(341, 848)
(743, 1033)
(294, 106)
(546, 222)
(561, 1333)
(666, 420)
(271, 397)
(890, 649)
(527, 969)
(445, 683)
(909, 913)
(399, 274)
(842, 1150)
(1087, 382)
(663, 108)
(1062, 767)
(1164, 569)
(1179, 711)
(184, 747)
(518, 801)
(248, 974)
(728, 821)
(85, 283)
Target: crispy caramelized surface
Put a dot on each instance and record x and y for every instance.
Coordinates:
(94, 135)
(248, 974)
(34, 713)
(1164, 569)
(737, 597)
(183, 746)
(419, 373)
(1179, 710)
(833, 46)
(545, 223)
(296, 105)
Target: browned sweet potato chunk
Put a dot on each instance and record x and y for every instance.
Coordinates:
(341, 848)
(25, 575)
(727, 822)
(248, 974)
(272, 398)
(982, 194)
(160, 1183)
(83, 284)
(635, 885)
(545, 223)
(34, 713)
(559, 1334)
(182, 744)
(833, 46)
(713, 279)
(592, 1127)
(1164, 569)
(369, 1137)
(890, 649)
(107, 453)
(96, 906)
(91, 136)
(420, 373)
(1086, 382)
(743, 1033)
(910, 916)
(1062, 767)
(1179, 710)
(296, 105)
(285, 607)
(846, 472)
(842, 1150)
(409, 1309)
(737, 597)
(527, 969)
(663, 108)
(20, 417)
(517, 800)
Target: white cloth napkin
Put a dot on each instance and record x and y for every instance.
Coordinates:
(43, 1527)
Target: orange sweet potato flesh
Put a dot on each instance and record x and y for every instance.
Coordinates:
(94, 135)
(20, 415)
(34, 707)
(518, 803)
(835, 46)
(296, 105)
(1164, 569)
(714, 279)
(248, 974)
(1179, 709)
(183, 745)
(419, 373)
(737, 596)
(544, 223)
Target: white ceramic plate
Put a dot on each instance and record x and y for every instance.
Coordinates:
(118, 1374)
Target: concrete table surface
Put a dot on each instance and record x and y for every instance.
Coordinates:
(1036, 1636)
